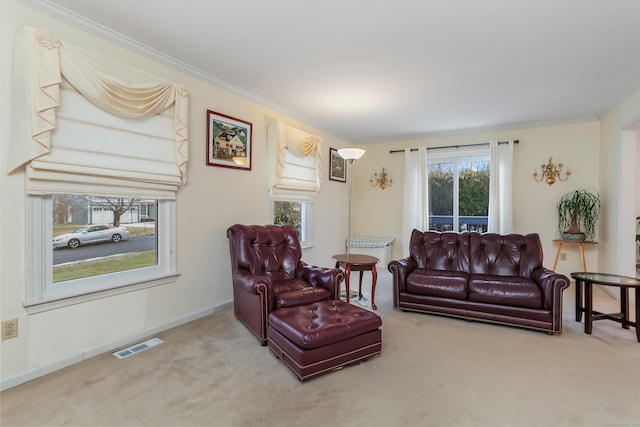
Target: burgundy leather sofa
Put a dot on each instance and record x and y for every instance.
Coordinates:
(488, 277)
(268, 274)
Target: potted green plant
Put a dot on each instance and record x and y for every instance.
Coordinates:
(578, 213)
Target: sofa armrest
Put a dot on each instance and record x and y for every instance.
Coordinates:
(324, 277)
(400, 269)
(250, 282)
(551, 283)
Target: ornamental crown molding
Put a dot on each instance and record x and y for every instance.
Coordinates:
(92, 27)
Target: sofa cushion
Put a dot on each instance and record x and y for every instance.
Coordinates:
(438, 283)
(271, 250)
(505, 255)
(434, 250)
(323, 323)
(504, 290)
(294, 292)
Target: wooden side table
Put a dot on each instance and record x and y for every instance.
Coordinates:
(580, 245)
(355, 262)
(584, 284)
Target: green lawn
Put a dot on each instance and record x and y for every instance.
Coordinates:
(104, 266)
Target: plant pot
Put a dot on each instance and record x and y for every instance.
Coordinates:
(573, 237)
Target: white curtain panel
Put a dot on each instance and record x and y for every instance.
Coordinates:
(501, 188)
(415, 196)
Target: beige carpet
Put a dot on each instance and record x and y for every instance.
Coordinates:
(433, 371)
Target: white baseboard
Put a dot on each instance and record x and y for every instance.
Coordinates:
(88, 353)
(38, 372)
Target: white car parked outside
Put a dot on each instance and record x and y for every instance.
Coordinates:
(91, 234)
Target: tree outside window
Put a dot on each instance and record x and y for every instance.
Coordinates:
(70, 213)
(287, 212)
(299, 214)
(459, 194)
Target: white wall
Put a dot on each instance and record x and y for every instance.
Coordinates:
(637, 173)
(214, 199)
(576, 145)
(619, 142)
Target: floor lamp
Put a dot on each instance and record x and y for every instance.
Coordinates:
(350, 154)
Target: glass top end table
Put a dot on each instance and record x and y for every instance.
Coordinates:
(584, 285)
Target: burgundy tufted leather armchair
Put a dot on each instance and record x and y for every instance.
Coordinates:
(268, 274)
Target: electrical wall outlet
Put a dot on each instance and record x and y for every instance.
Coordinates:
(9, 329)
(563, 256)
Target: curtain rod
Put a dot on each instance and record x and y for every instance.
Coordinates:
(455, 146)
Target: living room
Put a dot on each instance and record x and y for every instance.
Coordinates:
(597, 151)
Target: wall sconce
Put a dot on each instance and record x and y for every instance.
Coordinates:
(381, 179)
(550, 172)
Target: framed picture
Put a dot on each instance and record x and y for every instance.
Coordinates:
(228, 141)
(337, 166)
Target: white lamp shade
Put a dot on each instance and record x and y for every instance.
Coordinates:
(351, 153)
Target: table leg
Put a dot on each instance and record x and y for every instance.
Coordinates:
(555, 263)
(584, 263)
(624, 307)
(638, 313)
(347, 275)
(360, 286)
(374, 273)
(579, 306)
(588, 307)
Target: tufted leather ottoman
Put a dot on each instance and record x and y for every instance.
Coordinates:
(323, 336)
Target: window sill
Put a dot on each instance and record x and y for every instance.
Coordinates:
(46, 304)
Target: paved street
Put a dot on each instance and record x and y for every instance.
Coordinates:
(134, 244)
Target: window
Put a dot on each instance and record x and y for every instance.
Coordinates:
(458, 192)
(296, 213)
(54, 283)
(294, 158)
(80, 129)
(145, 154)
(80, 223)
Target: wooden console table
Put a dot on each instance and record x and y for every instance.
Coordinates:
(580, 245)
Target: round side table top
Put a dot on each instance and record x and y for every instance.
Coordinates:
(355, 259)
(607, 279)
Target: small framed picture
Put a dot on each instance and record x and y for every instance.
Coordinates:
(228, 141)
(337, 170)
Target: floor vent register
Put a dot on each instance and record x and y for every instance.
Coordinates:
(137, 348)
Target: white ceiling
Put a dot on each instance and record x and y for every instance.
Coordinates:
(373, 70)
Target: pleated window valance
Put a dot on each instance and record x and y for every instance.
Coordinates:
(295, 157)
(86, 124)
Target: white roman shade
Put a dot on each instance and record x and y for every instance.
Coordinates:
(295, 157)
(105, 128)
(94, 152)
